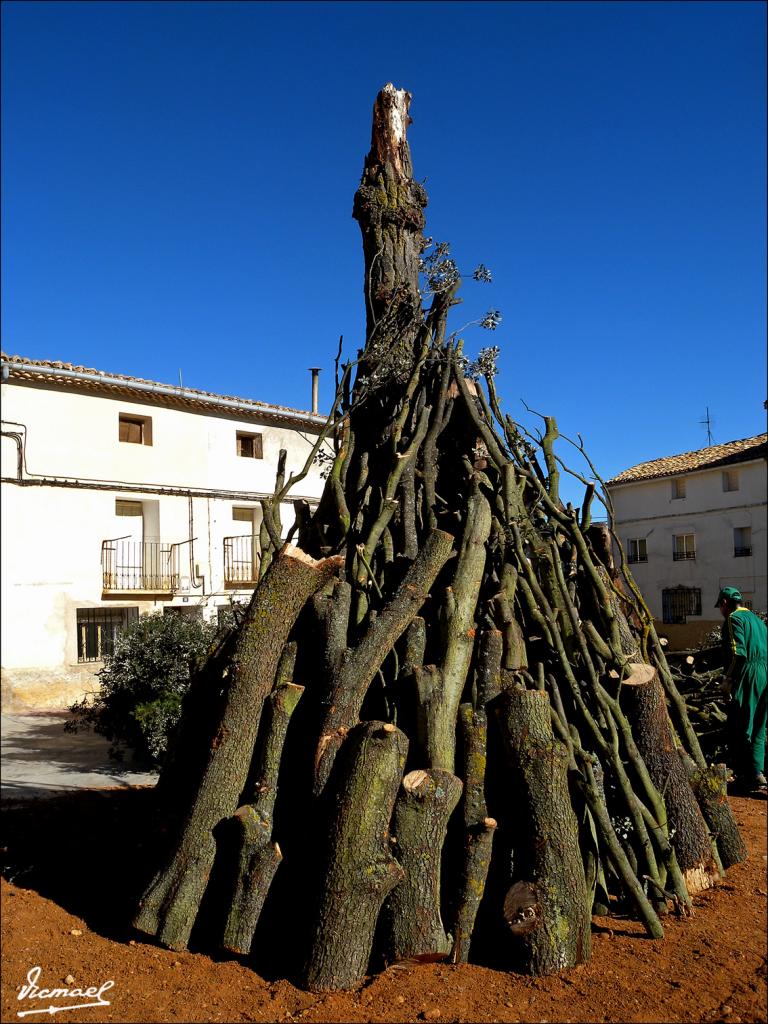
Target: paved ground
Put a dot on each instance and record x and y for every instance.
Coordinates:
(40, 759)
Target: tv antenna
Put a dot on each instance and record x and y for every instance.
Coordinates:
(707, 422)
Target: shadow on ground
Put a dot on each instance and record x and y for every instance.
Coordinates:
(41, 759)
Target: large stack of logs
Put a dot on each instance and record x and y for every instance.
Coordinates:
(446, 724)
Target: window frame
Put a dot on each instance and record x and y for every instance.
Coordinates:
(256, 443)
(93, 647)
(638, 555)
(742, 550)
(676, 612)
(730, 481)
(685, 554)
(679, 488)
(144, 423)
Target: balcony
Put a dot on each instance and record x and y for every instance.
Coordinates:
(241, 562)
(139, 567)
(683, 556)
(742, 552)
(634, 559)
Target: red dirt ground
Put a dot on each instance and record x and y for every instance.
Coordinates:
(67, 904)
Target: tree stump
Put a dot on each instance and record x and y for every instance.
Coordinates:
(547, 909)
(359, 870)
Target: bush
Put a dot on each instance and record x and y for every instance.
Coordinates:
(142, 686)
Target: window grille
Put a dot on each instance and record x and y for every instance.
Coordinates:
(677, 603)
(98, 628)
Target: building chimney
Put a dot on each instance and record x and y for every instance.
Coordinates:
(315, 371)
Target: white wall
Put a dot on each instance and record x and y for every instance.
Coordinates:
(76, 434)
(52, 535)
(647, 510)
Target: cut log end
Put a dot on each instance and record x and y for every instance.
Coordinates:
(522, 910)
(292, 551)
(413, 780)
(640, 674)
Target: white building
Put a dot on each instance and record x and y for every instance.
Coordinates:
(122, 496)
(693, 523)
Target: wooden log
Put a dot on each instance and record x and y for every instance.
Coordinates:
(490, 649)
(412, 924)
(479, 830)
(458, 635)
(359, 870)
(642, 697)
(170, 904)
(710, 787)
(548, 909)
(360, 664)
(254, 856)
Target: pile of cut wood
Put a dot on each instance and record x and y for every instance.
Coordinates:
(445, 726)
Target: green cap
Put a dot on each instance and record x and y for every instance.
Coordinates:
(728, 594)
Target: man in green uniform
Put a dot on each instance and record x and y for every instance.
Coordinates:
(744, 640)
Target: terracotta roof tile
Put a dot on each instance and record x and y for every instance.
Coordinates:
(121, 383)
(705, 458)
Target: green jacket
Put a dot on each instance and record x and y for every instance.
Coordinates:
(745, 638)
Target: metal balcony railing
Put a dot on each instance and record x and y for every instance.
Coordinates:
(132, 565)
(241, 561)
(633, 559)
(683, 556)
(742, 552)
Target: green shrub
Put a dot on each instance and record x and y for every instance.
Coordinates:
(142, 686)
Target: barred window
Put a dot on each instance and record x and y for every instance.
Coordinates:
(677, 603)
(98, 628)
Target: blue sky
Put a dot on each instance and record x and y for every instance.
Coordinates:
(178, 182)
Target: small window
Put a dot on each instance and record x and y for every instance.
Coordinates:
(128, 508)
(683, 547)
(637, 550)
(730, 480)
(135, 429)
(678, 488)
(249, 446)
(742, 541)
(98, 628)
